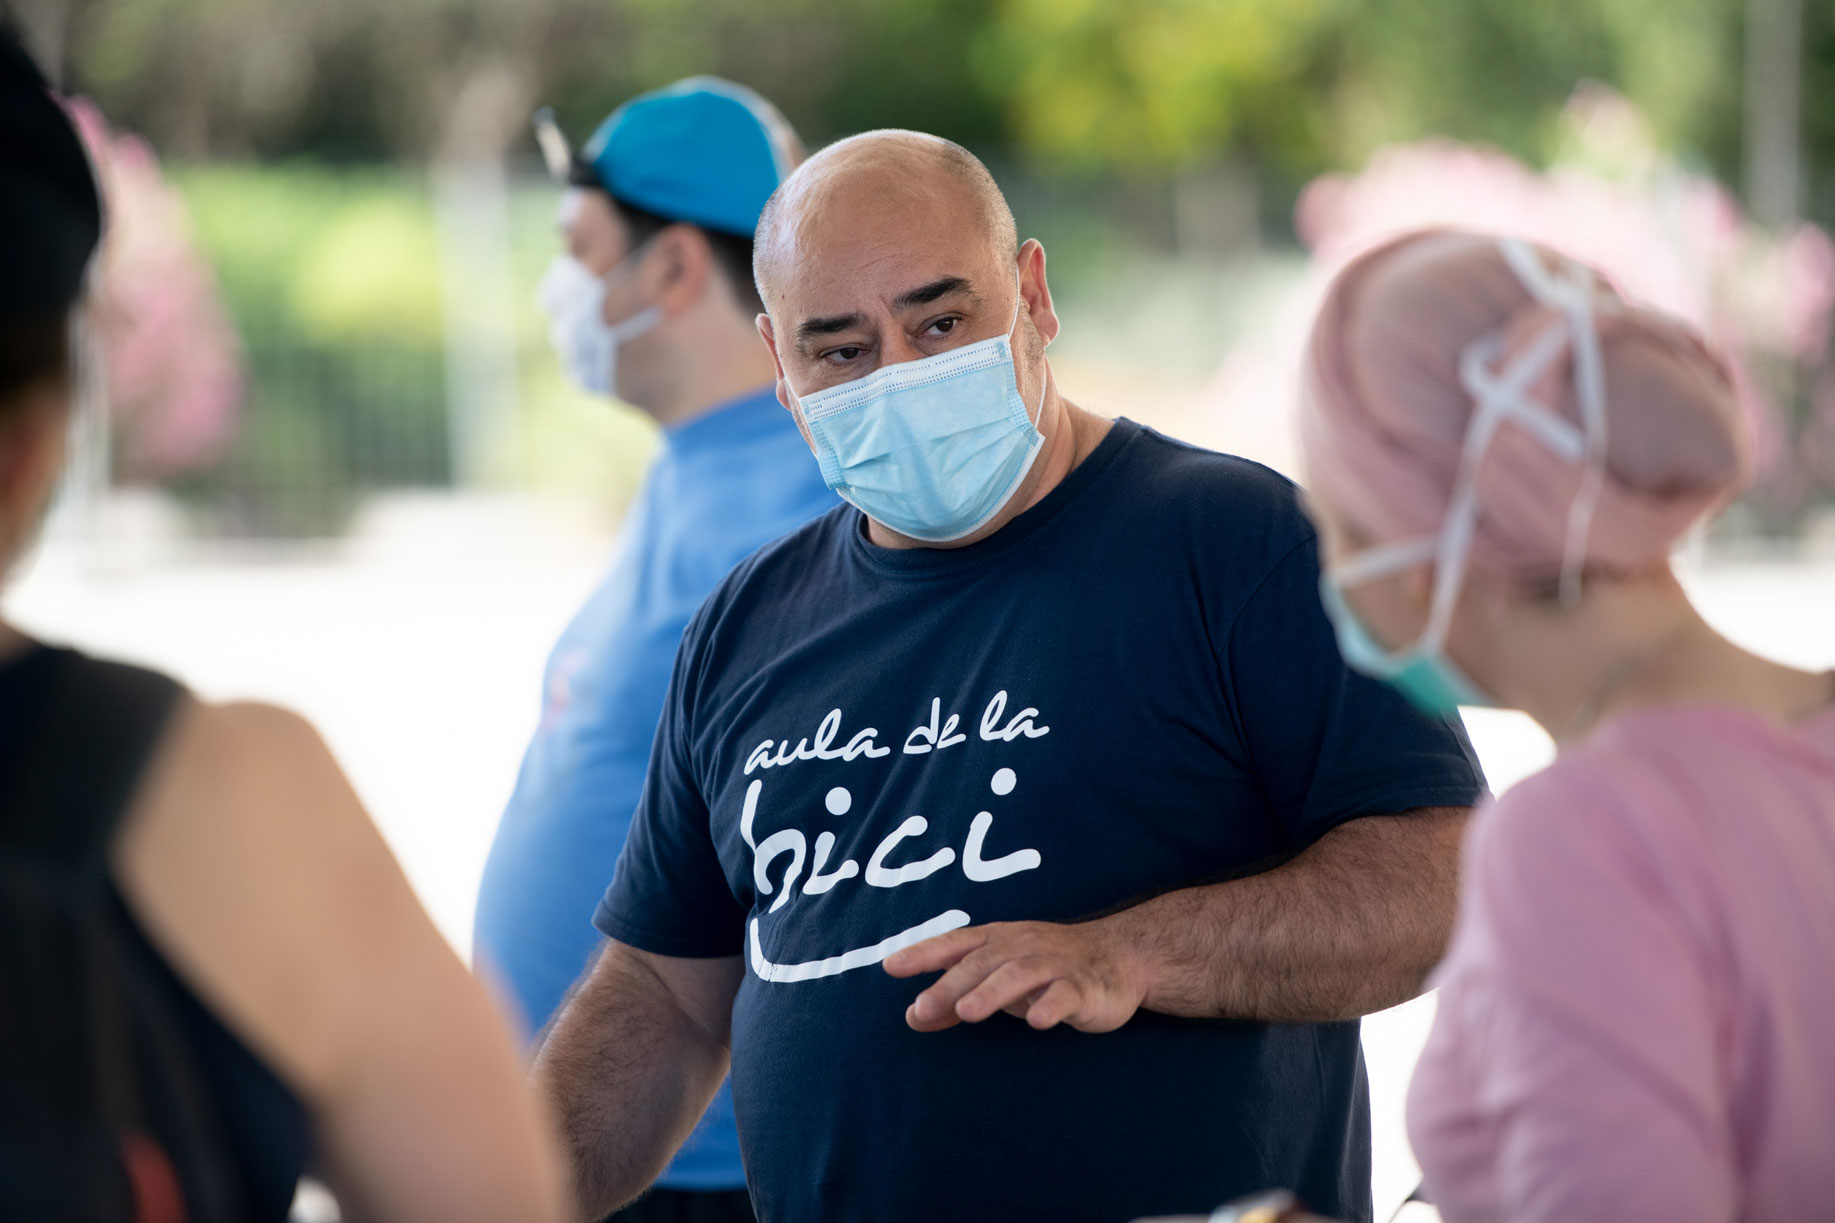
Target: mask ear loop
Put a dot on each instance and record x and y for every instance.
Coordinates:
(1573, 296)
(626, 270)
(1499, 399)
(1019, 299)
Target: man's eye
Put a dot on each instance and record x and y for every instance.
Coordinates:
(944, 326)
(846, 353)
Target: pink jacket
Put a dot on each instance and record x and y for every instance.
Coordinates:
(1637, 1014)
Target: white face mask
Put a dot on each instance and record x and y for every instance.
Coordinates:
(574, 301)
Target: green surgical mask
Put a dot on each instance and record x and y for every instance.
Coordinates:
(1423, 673)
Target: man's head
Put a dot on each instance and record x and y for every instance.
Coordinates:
(660, 208)
(894, 246)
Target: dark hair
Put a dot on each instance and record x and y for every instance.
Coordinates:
(35, 350)
(731, 251)
(50, 223)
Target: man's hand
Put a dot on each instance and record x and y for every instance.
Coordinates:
(1043, 972)
(1351, 925)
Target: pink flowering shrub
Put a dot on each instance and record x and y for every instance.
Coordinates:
(1667, 237)
(174, 369)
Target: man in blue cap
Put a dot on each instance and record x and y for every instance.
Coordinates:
(652, 303)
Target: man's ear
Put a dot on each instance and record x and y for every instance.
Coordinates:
(1035, 291)
(682, 266)
(769, 335)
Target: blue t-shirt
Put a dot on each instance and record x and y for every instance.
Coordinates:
(724, 483)
(1128, 689)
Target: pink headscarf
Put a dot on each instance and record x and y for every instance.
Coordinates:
(1383, 414)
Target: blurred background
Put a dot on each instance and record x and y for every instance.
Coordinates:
(337, 466)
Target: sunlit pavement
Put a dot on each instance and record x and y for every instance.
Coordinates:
(419, 656)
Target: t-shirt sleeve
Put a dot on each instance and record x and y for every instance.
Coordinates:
(1588, 1014)
(669, 895)
(1326, 743)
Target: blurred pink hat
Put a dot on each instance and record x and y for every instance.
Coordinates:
(1384, 415)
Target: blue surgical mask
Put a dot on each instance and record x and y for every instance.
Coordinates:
(1422, 671)
(931, 448)
(574, 300)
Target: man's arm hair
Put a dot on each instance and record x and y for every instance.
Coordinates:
(1351, 925)
(630, 1065)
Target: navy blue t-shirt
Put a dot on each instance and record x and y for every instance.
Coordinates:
(1128, 689)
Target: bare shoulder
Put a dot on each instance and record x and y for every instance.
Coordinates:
(238, 744)
(240, 790)
(255, 870)
(242, 785)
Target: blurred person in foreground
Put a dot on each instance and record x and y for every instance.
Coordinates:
(652, 304)
(258, 989)
(1051, 708)
(1634, 1014)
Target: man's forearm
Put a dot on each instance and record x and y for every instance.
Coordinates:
(627, 1071)
(1352, 925)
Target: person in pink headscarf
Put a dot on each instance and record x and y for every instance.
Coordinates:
(1634, 1011)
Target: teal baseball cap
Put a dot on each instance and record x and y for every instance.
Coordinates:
(703, 150)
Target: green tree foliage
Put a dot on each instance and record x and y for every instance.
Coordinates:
(1137, 125)
(332, 277)
(1500, 72)
(1297, 86)
(1148, 85)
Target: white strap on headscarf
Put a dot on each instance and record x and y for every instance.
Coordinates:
(1501, 396)
(1572, 294)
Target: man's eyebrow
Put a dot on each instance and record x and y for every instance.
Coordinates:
(925, 294)
(828, 325)
(920, 296)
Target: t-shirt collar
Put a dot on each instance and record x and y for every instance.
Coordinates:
(920, 562)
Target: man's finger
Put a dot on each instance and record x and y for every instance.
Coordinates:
(1059, 1001)
(1004, 986)
(918, 1023)
(935, 954)
(968, 972)
(1019, 1006)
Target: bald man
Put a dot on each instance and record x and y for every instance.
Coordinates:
(1051, 709)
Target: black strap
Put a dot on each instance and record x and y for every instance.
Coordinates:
(90, 731)
(89, 748)
(94, 728)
